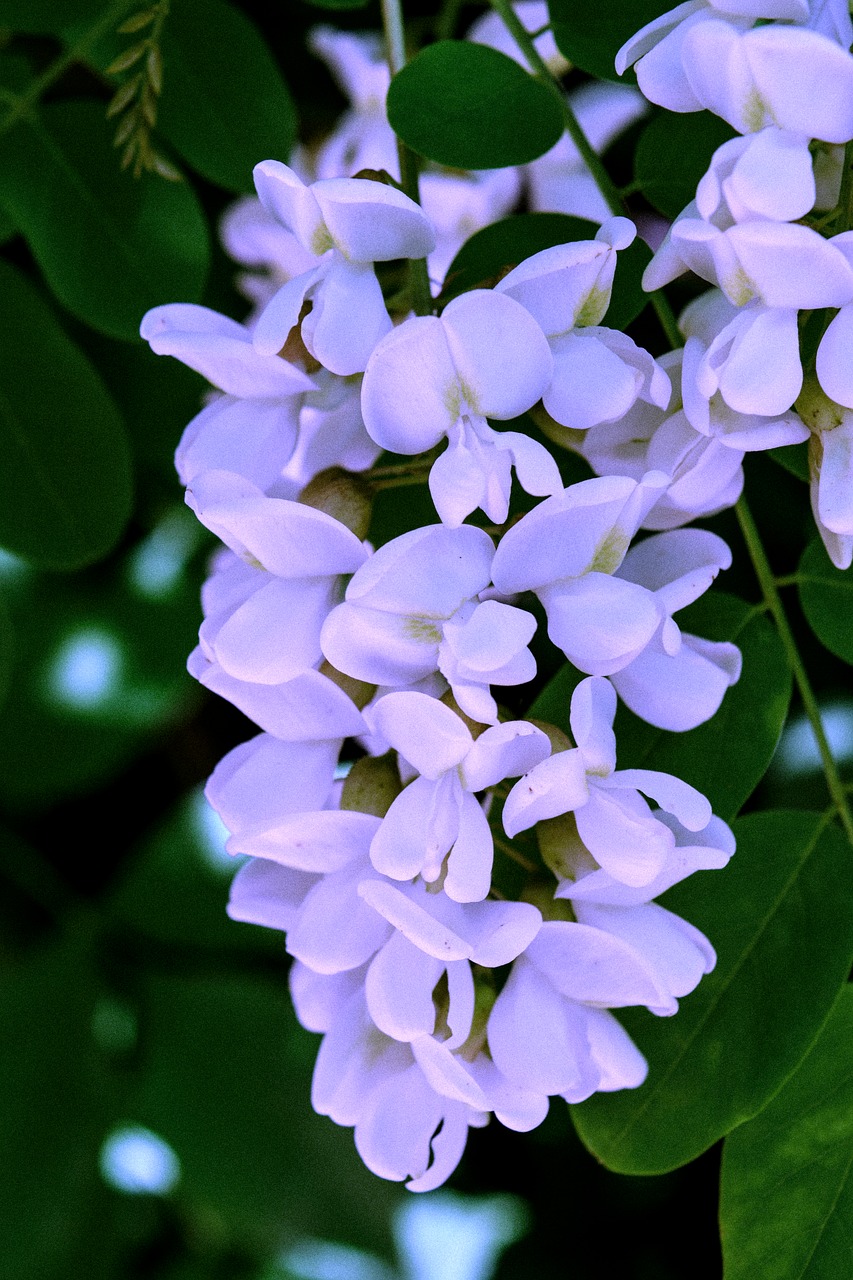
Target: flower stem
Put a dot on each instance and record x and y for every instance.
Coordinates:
(395, 43)
(589, 155)
(774, 604)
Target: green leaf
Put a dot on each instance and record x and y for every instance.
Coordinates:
(65, 483)
(226, 1081)
(794, 458)
(673, 153)
(554, 702)
(50, 17)
(781, 918)
(727, 756)
(109, 245)
(590, 36)
(52, 1108)
(791, 1169)
(224, 105)
(338, 4)
(496, 249)
(100, 668)
(826, 594)
(471, 107)
(175, 887)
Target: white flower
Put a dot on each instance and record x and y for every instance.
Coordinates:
(598, 373)
(434, 377)
(436, 827)
(614, 822)
(348, 224)
(413, 609)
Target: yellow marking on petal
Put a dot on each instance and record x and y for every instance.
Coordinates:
(756, 112)
(738, 288)
(609, 553)
(593, 307)
(423, 630)
(321, 241)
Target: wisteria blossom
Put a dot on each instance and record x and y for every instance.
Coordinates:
(414, 609)
(348, 224)
(435, 377)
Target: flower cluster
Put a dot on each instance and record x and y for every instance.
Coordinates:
(455, 965)
(761, 231)
(388, 885)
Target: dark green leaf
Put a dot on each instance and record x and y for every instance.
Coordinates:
(826, 594)
(100, 667)
(794, 458)
(52, 1109)
(496, 249)
(224, 106)
(226, 1082)
(110, 246)
(590, 36)
(554, 702)
(791, 1169)
(338, 4)
(65, 483)
(727, 756)
(7, 645)
(781, 919)
(468, 106)
(53, 17)
(673, 153)
(175, 889)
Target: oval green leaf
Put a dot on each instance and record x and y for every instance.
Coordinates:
(109, 245)
(781, 918)
(65, 483)
(791, 1168)
(224, 105)
(590, 36)
(471, 107)
(826, 594)
(490, 253)
(673, 152)
(727, 756)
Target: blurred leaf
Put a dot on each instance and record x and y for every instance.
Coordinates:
(65, 484)
(794, 458)
(590, 36)
(110, 246)
(338, 4)
(826, 594)
(224, 105)
(52, 1109)
(49, 17)
(792, 1169)
(727, 756)
(100, 667)
(781, 918)
(496, 249)
(226, 1081)
(158, 397)
(471, 107)
(673, 152)
(176, 886)
(7, 647)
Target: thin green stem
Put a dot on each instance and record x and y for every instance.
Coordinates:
(395, 43)
(76, 52)
(769, 590)
(589, 155)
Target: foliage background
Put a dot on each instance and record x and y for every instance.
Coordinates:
(126, 997)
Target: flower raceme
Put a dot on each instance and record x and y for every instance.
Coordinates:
(443, 994)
